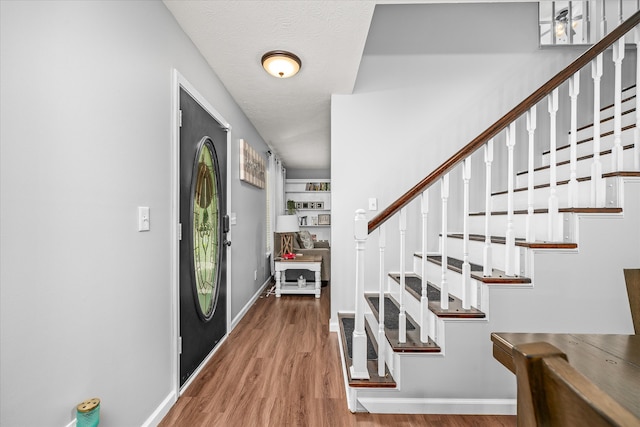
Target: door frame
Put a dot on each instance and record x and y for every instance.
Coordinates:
(180, 82)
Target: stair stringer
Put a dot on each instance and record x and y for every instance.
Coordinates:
(573, 291)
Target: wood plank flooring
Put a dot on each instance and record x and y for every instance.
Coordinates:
(280, 367)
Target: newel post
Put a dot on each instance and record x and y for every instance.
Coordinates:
(382, 243)
(510, 239)
(424, 299)
(359, 360)
(487, 252)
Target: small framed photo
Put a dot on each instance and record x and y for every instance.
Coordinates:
(298, 205)
(324, 219)
(319, 205)
(305, 205)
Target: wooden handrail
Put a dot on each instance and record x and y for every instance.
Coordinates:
(505, 120)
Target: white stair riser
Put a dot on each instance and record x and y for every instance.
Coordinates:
(628, 93)
(628, 117)
(583, 168)
(412, 306)
(454, 281)
(455, 248)
(586, 148)
(541, 198)
(498, 226)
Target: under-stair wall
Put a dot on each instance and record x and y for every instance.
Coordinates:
(464, 377)
(557, 268)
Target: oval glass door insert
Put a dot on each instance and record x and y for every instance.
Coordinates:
(206, 234)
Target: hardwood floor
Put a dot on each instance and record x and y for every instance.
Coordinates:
(280, 367)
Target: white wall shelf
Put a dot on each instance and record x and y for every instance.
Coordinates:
(311, 203)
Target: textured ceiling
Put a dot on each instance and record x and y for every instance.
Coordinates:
(292, 115)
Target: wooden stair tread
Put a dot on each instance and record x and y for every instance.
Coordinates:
(602, 135)
(610, 106)
(413, 286)
(413, 343)
(519, 241)
(562, 210)
(566, 162)
(566, 181)
(497, 276)
(622, 173)
(374, 381)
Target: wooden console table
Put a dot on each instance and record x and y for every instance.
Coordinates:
(611, 362)
(304, 262)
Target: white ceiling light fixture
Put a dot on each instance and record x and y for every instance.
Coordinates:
(281, 64)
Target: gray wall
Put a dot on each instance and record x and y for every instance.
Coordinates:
(416, 106)
(85, 139)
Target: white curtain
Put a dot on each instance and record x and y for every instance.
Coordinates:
(275, 200)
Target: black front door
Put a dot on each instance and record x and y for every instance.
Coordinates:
(203, 287)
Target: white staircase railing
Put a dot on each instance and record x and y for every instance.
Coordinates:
(514, 201)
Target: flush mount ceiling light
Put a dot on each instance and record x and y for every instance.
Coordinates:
(562, 23)
(281, 64)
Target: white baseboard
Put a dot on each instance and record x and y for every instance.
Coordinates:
(248, 305)
(161, 411)
(333, 325)
(388, 405)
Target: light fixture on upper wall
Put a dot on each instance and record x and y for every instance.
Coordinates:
(281, 64)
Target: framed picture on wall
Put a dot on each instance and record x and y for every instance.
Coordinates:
(324, 219)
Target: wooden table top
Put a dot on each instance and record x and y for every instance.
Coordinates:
(302, 258)
(612, 362)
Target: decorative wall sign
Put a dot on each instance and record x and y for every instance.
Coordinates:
(252, 165)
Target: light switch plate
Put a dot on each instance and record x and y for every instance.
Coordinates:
(373, 204)
(144, 221)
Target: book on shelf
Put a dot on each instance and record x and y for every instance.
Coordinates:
(318, 186)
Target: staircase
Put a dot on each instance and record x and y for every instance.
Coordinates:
(544, 254)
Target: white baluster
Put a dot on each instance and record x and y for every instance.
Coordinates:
(620, 17)
(616, 152)
(466, 267)
(359, 340)
(597, 184)
(574, 90)
(487, 253)
(603, 22)
(424, 299)
(382, 243)
(444, 286)
(636, 131)
(530, 232)
(553, 225)
(402, 318)
(510, 243)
